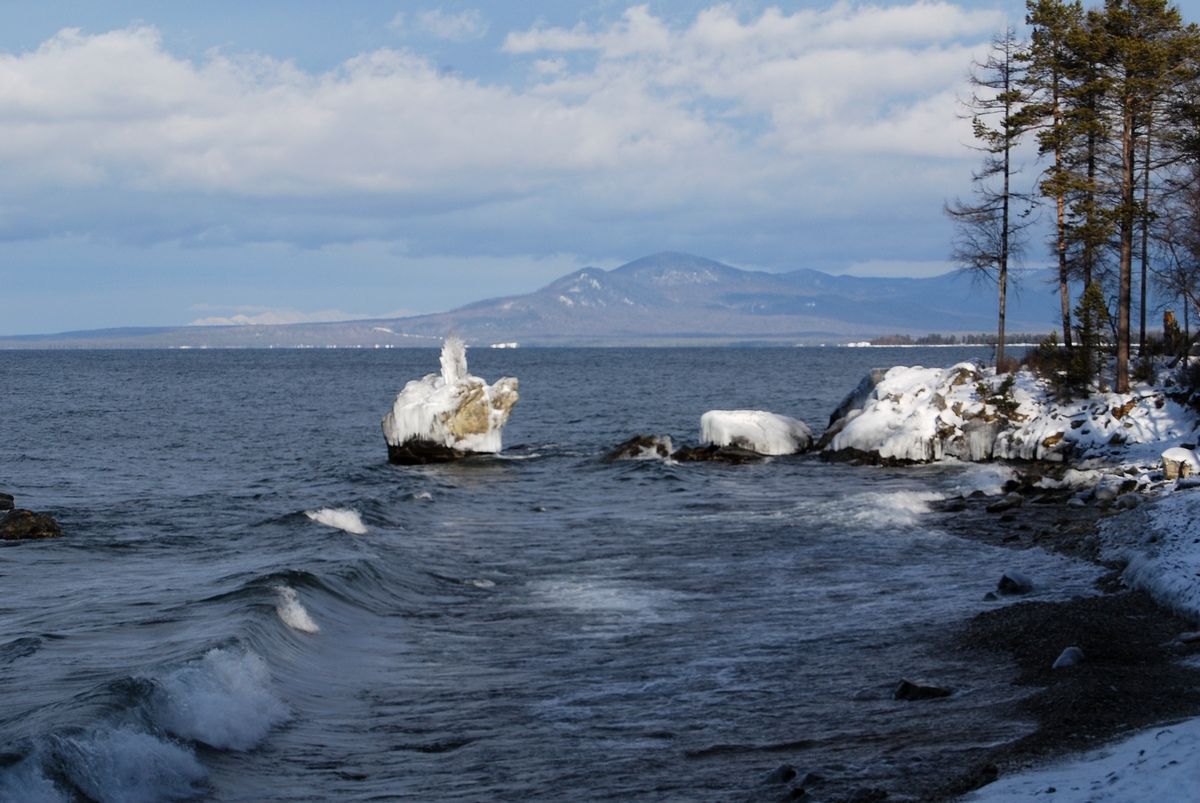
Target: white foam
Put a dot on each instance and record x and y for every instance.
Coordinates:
(422, 496)
(893, 508)
(25, 782)
(224, 700)
(989, 478)
(339, 518)
(127, 766)
(293, 614)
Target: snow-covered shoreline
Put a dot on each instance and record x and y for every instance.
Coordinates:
(1107, 444)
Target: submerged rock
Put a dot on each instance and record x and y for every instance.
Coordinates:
(781, 774)
(448, 416)
(907, 690)
(755, 431)
(642, 447)
(19, 524)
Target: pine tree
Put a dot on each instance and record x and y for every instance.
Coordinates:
(988, 231)
(1093, 324)
(1143, 40)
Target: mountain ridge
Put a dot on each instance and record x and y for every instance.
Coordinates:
(668, 298)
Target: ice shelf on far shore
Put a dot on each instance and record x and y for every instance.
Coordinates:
(755, 430)
(448, 415)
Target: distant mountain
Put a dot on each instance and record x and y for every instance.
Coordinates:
(666, 298)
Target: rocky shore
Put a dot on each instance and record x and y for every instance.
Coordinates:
(1089, 670)
(1130, 676)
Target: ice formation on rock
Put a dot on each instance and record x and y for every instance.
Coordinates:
(755, 430)
(448, 416)
(918, 415)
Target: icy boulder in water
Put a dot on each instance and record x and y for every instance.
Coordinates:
(755, 431)
(448, 416)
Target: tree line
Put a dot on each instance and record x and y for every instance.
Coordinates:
(1109, 98)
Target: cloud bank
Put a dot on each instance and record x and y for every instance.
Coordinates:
(772, 136)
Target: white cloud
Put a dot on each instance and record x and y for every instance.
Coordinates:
(725, 127)
(461, 27)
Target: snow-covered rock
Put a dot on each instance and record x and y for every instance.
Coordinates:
(1178, 462)
(448, 416)
(920, 415)
(755, 430)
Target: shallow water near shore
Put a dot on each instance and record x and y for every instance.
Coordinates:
(541, 624)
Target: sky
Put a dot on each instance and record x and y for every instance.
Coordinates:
(166, 163)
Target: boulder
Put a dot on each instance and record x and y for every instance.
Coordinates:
(6, 502)
(20, 524)
(1069, 657)
(907, 690)
(1014, 582)
(448, 416)
(642, 447)
(755, 431)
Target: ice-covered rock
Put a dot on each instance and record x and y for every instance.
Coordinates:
(448, 416)
(920, 415)
(755, 431)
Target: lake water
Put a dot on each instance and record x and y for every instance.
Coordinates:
(542, 625)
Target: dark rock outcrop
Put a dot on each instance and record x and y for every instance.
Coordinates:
(641, 446)
(417, 452)
(7, 502)
(20, 525)
(716, 454)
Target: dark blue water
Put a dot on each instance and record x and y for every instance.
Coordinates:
(542, 625)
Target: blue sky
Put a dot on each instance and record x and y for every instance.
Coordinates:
(166, 163)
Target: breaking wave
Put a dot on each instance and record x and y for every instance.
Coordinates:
(224, 700)
(339, 518)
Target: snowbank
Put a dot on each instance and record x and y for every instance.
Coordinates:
(755, 430)
(1160, 542)
(447, 416)
(920, 415)
(1157, 764)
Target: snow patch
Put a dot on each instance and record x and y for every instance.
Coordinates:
(1158, 764)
